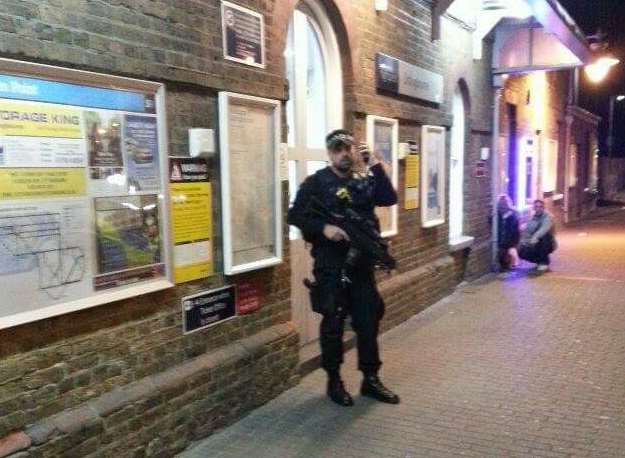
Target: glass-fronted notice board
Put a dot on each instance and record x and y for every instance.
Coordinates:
(83, 202)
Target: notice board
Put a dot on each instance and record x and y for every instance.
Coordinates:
(83, 200)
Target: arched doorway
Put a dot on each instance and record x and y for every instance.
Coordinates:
(315, 106)
(456, 166)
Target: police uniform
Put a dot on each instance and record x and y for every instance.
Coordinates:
(358, 297)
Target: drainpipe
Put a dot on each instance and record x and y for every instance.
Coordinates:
(496, 177)
(572, 99)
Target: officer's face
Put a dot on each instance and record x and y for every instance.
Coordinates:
(342, 158)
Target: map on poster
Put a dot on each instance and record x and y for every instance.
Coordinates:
(79, 195)
(45, 248)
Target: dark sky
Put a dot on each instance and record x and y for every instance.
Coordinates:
(609, 15)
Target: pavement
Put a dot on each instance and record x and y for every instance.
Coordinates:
(529, 366)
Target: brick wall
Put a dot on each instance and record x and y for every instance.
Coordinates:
(520, 91)
(118, 361)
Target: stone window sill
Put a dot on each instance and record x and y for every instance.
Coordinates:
(460, 243)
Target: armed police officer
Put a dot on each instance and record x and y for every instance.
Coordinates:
(355, 181)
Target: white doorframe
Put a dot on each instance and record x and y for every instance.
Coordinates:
(456, 167)
(309, 20)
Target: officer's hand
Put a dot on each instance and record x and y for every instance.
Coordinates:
(334, 233)
(534, 240)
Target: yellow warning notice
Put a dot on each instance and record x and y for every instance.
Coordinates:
(183, 274)
(192, 225)
(41, 183)
(31, 119)
(191, 211)
(411, 196)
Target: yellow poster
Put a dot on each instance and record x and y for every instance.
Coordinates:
(192, 229)
(36, 183)
(412, 182)
(31, 119)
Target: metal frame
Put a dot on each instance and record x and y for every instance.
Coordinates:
(227, 220)
(65, 75)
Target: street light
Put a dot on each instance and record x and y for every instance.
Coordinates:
(613, 99)
(600, 68)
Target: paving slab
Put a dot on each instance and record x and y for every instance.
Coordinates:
(529, 366)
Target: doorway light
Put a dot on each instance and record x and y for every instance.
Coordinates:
(509, 8)
(381, 5)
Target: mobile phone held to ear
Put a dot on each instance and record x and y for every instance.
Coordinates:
(363, 149)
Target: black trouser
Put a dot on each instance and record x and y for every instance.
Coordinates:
(505, 260)
(538, 253)
(361, 300)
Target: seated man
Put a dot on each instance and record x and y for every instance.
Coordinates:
(537, 240)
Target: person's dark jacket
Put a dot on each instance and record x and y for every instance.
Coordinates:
(360, 194)
(508, 229)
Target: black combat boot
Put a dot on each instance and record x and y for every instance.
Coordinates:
(373, 387)
(337, 392)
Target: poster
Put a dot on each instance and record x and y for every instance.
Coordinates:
(243, 34)
(32, 119)
(251, 192)
(382, 137)
(411, 196)
(127, 238)
(103, 134)
(192, 221)
(141, 148)
(44, 255)
(72, 234)
(41, 152)
(37, 183)
(432, 176)
(251, 138)
(250, 295)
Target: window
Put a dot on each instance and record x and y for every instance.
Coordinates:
(456, 165)
(550, 166)
(315, 105)
(573, 166)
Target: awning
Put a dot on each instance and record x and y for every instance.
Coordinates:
(529, 34)
(529, 47)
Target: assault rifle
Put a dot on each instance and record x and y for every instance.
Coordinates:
(364, 238)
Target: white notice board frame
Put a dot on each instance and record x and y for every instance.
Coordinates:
(54, 74)
(230, 266)
(393, 124)
(433, 175)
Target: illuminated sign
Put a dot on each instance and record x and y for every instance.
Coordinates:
(402, 78)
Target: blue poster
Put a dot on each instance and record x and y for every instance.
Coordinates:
(141, 151)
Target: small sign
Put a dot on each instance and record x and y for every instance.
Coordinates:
(243, 34)
(387, 73)
(284, 162)
(208, 308)
(187, 169)
(249, 296)
(480, 169)
(201, 141)
(401, 78)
